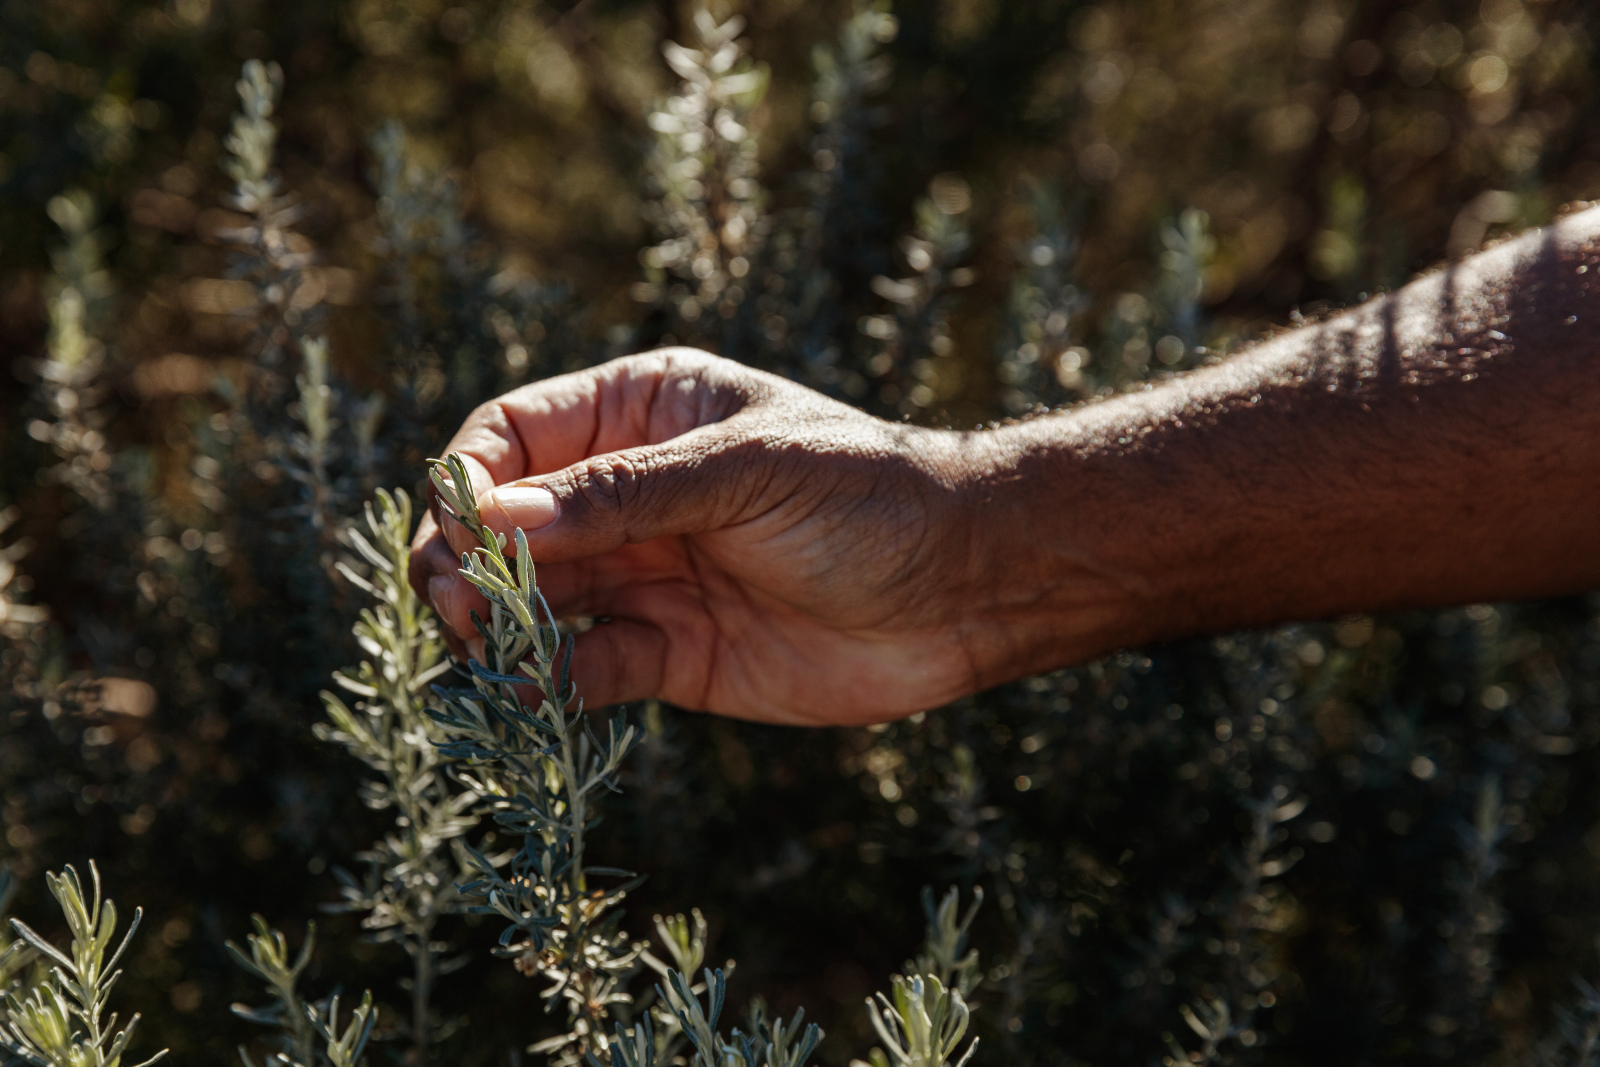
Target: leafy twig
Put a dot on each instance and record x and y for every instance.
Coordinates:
(59, 1019)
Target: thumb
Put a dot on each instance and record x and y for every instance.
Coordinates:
(706, 479)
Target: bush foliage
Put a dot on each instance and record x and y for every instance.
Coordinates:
(257, 263)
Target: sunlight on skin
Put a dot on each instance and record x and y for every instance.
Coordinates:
(760, 551)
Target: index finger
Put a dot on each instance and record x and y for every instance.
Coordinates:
(548, 425)
(625, 403)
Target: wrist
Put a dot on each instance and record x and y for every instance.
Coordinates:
(1049, 576)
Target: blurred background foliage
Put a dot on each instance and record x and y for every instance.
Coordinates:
(1361, 841)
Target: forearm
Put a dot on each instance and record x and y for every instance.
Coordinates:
(1440, 445)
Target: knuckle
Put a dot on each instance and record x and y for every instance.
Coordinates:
(486, 430)
(632, 365)
(682, 357)
(486, 416)
(682, 366)
(610, 483)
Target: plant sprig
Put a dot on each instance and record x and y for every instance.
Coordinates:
(57, 1020)
(269, 960)
(300, 1022)
(540, 766)
(771, 1043)
(412, 871)
(921, 1023)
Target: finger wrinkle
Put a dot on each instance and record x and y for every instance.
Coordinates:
(646, 432)
(507, 432)
(596, 399)
(718, 646)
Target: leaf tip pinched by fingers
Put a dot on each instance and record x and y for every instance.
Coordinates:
(453, 484)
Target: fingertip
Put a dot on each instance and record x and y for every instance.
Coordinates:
(508, 508)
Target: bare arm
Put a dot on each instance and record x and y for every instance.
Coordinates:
(1437, 446)
(763, 552)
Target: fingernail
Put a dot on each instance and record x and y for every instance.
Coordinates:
(441, 590)
(526, 507)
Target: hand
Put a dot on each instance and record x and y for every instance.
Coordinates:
(753, 548)
(765, 553)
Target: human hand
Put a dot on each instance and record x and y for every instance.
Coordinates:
(756, 549)
(763, 552)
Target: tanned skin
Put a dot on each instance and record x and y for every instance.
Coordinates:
(763, 552)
